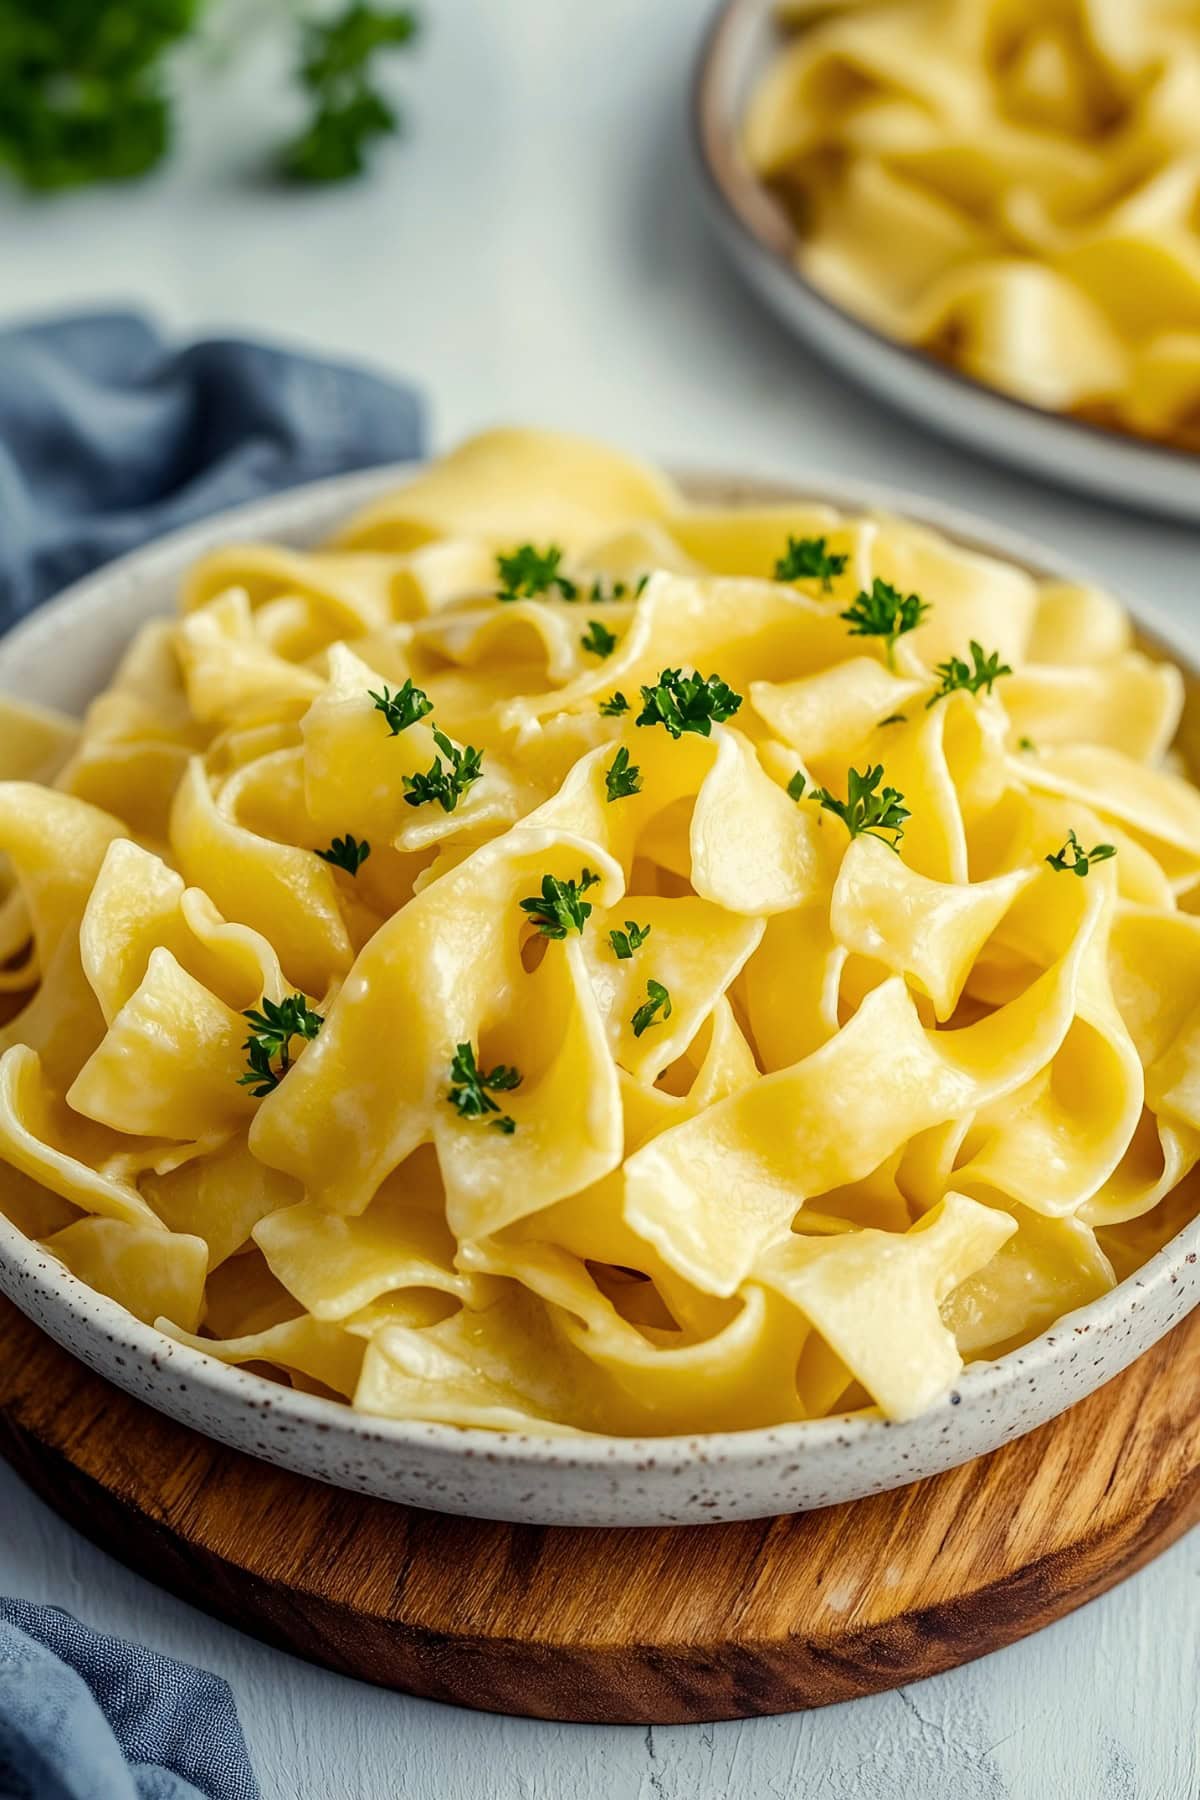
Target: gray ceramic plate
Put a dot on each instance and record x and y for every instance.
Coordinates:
(761, 241)
(505, 1475)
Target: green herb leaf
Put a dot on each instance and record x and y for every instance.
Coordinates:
(1027, 744)
(1074, 857)
(83, 92)
(867, 813)
(658, 1000)
(599, 595)
(614, 705)
(795, 786)
(806, 559)
(560, 907)
(622, 778)
(445, 785)
(955, 674)
(884, 612)
(468, 1093)
(271, 1034)
(894, 719)
(625, 942)
(598, 640)
(346, 853)
(403, 708)
(687, 703)
(348, 111)
(527, 572)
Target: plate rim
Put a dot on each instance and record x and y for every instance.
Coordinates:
(25, 1265)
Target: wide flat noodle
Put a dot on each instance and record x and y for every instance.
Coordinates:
(1008, 185)
(567, 961)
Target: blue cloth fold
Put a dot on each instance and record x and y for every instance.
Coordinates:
(88, 1717)
(108, 437)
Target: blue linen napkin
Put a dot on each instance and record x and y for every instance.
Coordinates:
(109, 436)
(87, 1717)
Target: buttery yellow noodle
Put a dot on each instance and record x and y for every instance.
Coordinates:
(1008, 185)
(639, 1082)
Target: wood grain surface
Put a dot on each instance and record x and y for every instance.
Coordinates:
(697, 1623)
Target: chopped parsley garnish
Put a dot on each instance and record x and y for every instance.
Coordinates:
(894, 719)
(597, 640)
(527, 572)
(599, 595)
(659, 1000)
(348, 109)
(403, 708)
(1074, 857)
(806, 559)
(1027, 744)
(955, 674)
(622, 778)
(687, 703)
(560, 907)
(271, 1034)
(346, 853)
(625, 942)
(614, 706)
(795, 786)
(445, 785)
(884, 612)
(867, 813)
(468, 1093)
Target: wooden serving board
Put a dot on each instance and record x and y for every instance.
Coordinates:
(694, 1623)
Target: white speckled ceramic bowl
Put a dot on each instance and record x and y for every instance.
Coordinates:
(506, 1475)
(761, 241)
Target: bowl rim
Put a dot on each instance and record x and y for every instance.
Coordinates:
(747, 207)
(32, 1271)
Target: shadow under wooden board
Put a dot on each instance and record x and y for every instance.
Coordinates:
(648, 1627)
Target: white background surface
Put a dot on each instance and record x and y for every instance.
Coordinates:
(536, 252)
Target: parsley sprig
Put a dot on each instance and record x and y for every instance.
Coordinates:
(348, 109)
(560, 907)
(806, 559)
(599, 595)
(884, 612)
(1074, 857)
(271, 1034)
(403, 708)
(615, 705)
(469, 1095)
(598, 640)
(622, 778)
(956, 674)
(527, 572)
(868, 810)
(445, 785)
(85, 93)
(687, 702)
(625, 942)
(658, 1001)
(346, 853)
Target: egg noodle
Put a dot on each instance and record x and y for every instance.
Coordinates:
(566, 958)
(1013, 185)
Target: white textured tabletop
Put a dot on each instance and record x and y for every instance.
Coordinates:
(535, 251)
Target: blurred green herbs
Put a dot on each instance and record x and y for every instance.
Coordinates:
(84, 94)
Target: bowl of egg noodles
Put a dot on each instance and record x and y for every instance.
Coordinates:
(984, 211)
(545, 990)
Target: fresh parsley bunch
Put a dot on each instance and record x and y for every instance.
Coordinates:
(84, 93)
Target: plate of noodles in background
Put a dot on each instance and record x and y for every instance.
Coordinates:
(543, 991)
(988, 213)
